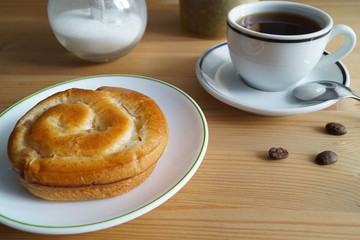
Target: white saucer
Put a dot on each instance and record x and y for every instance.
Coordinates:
(218, 77)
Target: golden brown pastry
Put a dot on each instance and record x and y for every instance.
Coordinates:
(88, 144)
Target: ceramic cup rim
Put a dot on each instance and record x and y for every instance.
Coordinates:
(275, 6)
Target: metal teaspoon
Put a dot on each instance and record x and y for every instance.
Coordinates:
(323, 91)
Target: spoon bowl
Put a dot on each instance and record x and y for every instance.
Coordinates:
(323, 91)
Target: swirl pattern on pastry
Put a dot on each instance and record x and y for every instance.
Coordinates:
(82, 138)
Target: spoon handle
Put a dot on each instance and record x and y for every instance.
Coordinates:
(354, 94)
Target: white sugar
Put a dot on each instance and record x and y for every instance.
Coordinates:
(80, 32)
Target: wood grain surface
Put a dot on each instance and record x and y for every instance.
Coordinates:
(237, 193)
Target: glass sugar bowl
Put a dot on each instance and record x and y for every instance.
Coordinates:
(98, 30)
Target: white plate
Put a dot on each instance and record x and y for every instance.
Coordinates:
(186, 148)
(219, 78)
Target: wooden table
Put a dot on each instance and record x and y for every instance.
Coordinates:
(237, 193)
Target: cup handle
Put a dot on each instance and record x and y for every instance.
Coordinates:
(345, 49)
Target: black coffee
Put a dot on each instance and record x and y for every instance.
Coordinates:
(280, 23)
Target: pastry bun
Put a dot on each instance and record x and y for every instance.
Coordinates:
(88, 144)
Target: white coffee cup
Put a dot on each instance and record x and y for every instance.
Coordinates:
(275, 62)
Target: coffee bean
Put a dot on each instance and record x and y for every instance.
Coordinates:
(326, 157)
(278, 153)
(334, 128)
